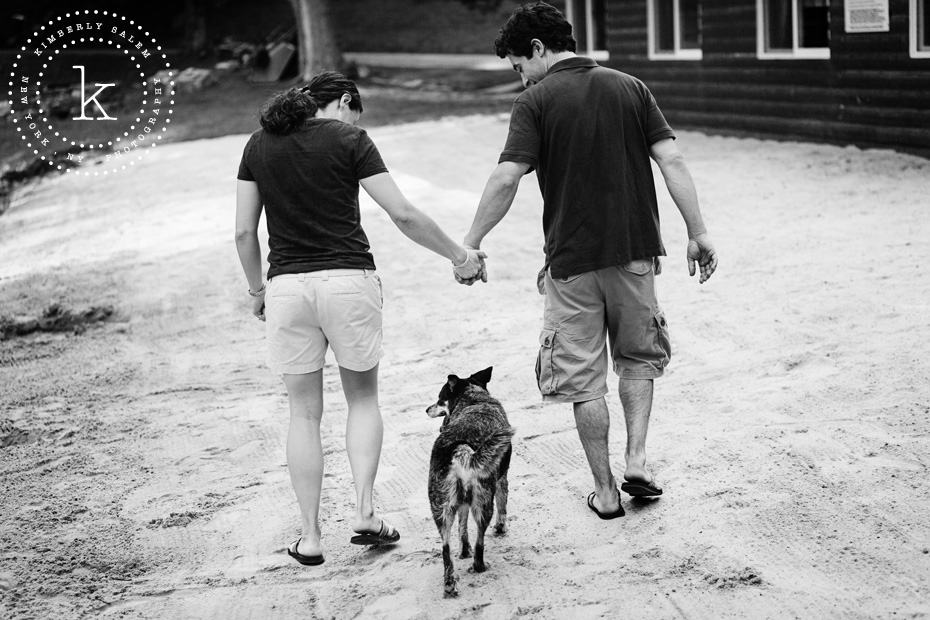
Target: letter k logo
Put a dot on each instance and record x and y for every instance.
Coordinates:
(84, 102)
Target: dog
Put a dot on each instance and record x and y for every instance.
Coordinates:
(468, 466)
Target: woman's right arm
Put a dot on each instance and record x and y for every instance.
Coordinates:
(415, 224)
(248, 212)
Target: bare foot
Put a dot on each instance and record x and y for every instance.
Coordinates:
(371, 523)
(309, 545)
(609, 505)
(636, 470)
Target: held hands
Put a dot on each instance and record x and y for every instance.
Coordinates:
(472, 269)
(702, 251)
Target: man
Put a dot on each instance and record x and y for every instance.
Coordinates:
(589, 132)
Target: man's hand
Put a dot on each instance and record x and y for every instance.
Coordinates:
(541, 279)
(473, 269)
(701, 250)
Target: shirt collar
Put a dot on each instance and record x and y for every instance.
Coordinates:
(574, 62)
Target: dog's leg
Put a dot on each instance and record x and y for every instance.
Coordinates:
(500, 496)
(463, 531)
(448, 569)
(482, 511)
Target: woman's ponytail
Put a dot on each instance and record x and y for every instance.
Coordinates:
(287, 112)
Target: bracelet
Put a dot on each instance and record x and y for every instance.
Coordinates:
(259, 292)
(464, 262)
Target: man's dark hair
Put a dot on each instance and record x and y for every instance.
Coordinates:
(534, 21)
(287, 111)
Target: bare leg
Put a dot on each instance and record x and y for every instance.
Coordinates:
(305, 454)
(592, 420)
(636, 396)
(364, 431)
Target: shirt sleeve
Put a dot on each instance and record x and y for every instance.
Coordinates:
(657, 128)
(523, 139)
(368, 160)
(244, 173)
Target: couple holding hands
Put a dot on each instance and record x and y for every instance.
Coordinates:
(589, 132)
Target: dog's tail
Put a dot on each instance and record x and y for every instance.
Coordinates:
(469, 465)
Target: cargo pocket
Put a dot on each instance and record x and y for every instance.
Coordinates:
(545, 373)
(663, 342)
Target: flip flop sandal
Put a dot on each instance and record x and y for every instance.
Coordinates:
(641, 488)
(619, 512)
(306, 560)
(387, 535)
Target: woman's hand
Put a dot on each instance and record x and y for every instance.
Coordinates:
(258, 303)
(258, 307)
(472, 269)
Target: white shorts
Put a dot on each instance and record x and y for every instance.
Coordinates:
(306, 312)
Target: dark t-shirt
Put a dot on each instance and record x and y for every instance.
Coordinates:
(587, 130)
(308, 182)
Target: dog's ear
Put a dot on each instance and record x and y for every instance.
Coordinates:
(452, 381)
(483, 377)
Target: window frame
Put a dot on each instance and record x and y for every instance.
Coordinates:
(677, 53)
(590, 52)
(796, 53)
(914, 27)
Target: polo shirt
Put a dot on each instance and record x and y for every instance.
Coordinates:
(308, 182)
(586, 130)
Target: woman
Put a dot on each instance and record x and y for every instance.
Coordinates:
(304, 168)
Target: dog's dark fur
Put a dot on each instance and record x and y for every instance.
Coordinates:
(468, 466)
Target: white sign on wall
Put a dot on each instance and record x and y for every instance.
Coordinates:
(867, 16)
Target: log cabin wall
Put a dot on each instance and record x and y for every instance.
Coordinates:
(868, 92)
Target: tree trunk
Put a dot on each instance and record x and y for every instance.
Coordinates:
(316, 42)
(195, 27)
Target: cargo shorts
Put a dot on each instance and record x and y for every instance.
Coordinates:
(307, 313)
(613, 310)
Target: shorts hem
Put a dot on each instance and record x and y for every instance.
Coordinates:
(361, 367)
(294, 369)
(574, 398)
(640, 374)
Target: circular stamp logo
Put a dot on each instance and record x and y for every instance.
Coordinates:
(91, 85)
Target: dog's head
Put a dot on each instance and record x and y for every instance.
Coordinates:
(453, 389)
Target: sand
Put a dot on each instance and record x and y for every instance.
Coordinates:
(143, 468)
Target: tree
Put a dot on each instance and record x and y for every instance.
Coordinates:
(316, 43)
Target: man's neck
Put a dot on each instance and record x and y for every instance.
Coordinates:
(555, 57)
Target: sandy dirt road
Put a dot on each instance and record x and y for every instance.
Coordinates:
(143, 470)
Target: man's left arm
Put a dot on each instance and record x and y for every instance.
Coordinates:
(681, 187)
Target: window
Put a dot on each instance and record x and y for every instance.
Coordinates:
(920, 28)
(587, 18)
(674, 28)
(793, 28)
